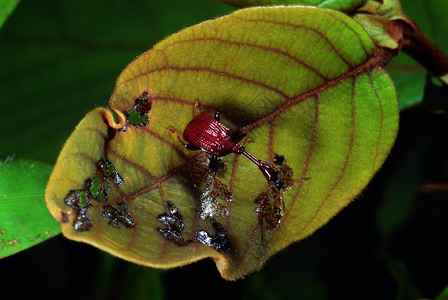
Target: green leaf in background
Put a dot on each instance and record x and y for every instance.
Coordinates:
(410, 77)
(321, 101)
(24, 218)
(341, 5)
(399, 196)
(6, 8)
(61, 58)
(443, 295)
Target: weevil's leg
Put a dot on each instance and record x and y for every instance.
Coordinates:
(188, 146)
(196, 105)
(216, 116)
(302, 179)
(237, 136)
(214, 165)
(191, 147)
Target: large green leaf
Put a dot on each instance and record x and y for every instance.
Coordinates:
(24, 218)
(320, 100)
(6, 8)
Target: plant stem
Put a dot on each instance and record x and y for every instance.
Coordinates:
(419, 47)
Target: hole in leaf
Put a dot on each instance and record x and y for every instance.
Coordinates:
(218, 241)
(82, 221)
(173, 225)
(95, 189)
(135, 119)
(118, 215)
(138, 115)
(279, 159)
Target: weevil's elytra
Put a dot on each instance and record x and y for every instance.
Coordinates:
(209, 134)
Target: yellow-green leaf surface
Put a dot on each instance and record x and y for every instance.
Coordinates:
(307, 86)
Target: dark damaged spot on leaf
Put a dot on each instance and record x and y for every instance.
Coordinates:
(218, 241)
(64, 217)
(138, 115)
(174, 225)
(118, 214)
(279, 159)
(113, 174)
(82, 221)
(270, 211)
(95, 190)
(214, 191)
(284, 172)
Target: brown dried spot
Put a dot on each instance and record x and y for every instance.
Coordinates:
(268, 211)
(64, 217)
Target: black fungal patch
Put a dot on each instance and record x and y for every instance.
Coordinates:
(137, 116)
(173, 225)
(95, 190)
(218, 241)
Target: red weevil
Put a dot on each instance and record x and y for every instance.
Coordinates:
(209, 134)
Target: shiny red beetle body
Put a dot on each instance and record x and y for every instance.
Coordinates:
(209, 134)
